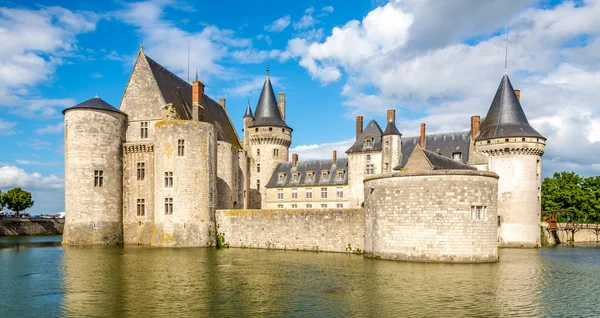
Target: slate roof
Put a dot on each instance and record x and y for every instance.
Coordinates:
(372, 130)
(439, 162)
(95, 103)
(505, 117)
(391, 129)
(267, 112)
(179, 92)
(316, 166)
(248, 111)
(444, 144)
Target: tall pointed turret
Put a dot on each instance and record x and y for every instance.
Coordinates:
(267, 111)
(248, 111)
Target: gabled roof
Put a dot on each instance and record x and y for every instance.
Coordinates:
(316, 166)
(391, 129)
(373, 131)
(95, 103)
(445, 144)
(435, 161)
(248, 111)
(267, 112)
(505, 117)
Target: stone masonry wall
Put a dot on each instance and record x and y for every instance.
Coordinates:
(25, 226)
(357, 163)
(427, 216)
(330, 230)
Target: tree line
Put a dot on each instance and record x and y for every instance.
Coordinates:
(16, 200)
(569, 191)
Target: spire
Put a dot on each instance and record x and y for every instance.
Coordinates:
(267, 69)
(506, 118)
(248, 110)
(267, 112)
(391, 129)
(506, 54)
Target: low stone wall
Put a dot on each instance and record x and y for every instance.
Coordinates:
(330, 230)
(25, 226)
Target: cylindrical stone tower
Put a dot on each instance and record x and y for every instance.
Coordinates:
(392, 143)
(94, 135)
(514, 152)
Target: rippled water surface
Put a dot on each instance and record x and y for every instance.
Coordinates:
(39, 278)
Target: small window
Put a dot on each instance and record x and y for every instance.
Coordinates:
(256, 129)
(281, 177)
(258, 167)
(169, 179)
(387, 166)
(488, 141)
(368, 143)
(323, 206)
(279, 194)
(98, 178)
(141, 170)
(180, 147)
(141, 207)
(323, 193)
(270, 128)
(294, 206)
(275, 153)
(506, 140)
(282, 129)
(368, 157)
(324, 175)
(457, 156)
(309, 206)
(387, 142)
(340, 175)
(257, 184)
(280, 206)
(370, 169)
(294, 194)
(258, 151)
(295, 177)
(309, 193)
(309, 176)
(340, 193)
(523, 139)
(478, 213)
(339, 206)
(144, 129)
(168, 206)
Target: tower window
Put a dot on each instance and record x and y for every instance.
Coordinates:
(169, 179)
(168, 206)
(180, 147)
(257, 184)
(257, 152)
(270, 128)
(141, 207)
(144, 129)
(98, 178)
(256, 129)
(275, 152)
(141, 170)
(522, 139)
(282, 129)
(258, 167)
(506, 140)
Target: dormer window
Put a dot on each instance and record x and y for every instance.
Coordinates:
(310, 176)
(457, 156)
(324, 175)
(281, 177)
(295, 177)
(368, 142)
(340, 174)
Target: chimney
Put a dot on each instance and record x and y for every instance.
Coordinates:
(197, 94)
(281, 105)
(391, 116)
(334, 159)
(475, 124)
(518, 93)
(223, 103)
(294, 160)
(359, 125)
(423, 135)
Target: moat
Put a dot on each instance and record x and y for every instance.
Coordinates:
(41, 278)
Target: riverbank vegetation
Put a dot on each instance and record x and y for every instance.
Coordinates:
(569, 191)
(16, 200)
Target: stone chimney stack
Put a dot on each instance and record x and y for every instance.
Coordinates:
(359, 126)
(391, 116)
(422, 135)
(223, 103)
(334, 159)
(518, 93)
(294, 160)
(475, 124)
(197, 94)
(281, 105)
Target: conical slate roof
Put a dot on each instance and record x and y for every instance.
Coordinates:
(94, 103)
(248, 111)
(267, 112)
(391, 129)
(506, 117)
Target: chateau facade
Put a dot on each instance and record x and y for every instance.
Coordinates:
(156, 170)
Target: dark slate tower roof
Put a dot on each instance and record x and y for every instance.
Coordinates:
(372, 130)
(248, 111)
(95, 103)
(391, 129)
(506, 117)
(267, 112)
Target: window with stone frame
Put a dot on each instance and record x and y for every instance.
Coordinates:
(309, 206)
(457, 156)
(279, 194)
(281, 177)
(258, 184)
(275, 153)
(180, 147)
(294, 206)
(323, 193)
(98, 178)
(324, 175)
(295, 177)
(169, 179)
(141, 207)
(257, 151)
(340, 193)
(368, 157)
(309, 193)
(280, 206)
(339, 206)
(387, 165)
(294, 194)
(478, 213)
(257, 167)
(141, 171)
(323, 206)
(370, 169)
(310, 176)
(368, 142)
(340, 174)
(144, 130)
(168, 206)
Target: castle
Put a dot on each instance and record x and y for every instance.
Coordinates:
(161, 169)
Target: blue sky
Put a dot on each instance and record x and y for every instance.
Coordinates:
(437, 62)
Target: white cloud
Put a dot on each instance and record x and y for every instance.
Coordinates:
(251, 87)
(113, 56)
(96, 75)
(327, 9)
(305, 22)
(266, 38)
(6, 127)
(279, 24)
(37, 163)
(12, 177)
(322, 151)
(51, 129)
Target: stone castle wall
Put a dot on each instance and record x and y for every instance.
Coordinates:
(357, 163)
(93, 141)
(330, 230)
(427, 216)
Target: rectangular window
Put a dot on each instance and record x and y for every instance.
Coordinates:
(309, 176)
(479, 212)
(340, 193)
(323, 206)
(340, 206)
(324, 175)
(141, 207)
(168, 206)
(368, 157)
(295, 177)
(144, 129)
(180, 147)
(340, 175)
(309, 193)
(323, 193)
(98, 178)
(257, 150)
(141, 170)
(457, 156)
(169, 179)
(370, 169)
(387, 165)
(275, 153)
(309, 206)
(280, 206)
(294, 206)
(258, 167)
(279, 194)
(257, 184)
(294, 194)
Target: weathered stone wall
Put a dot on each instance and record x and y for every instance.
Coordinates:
(243, 179)
(93, 141)
(391, 152)
(331, 230)
(331, 201)
(226, 169)
(24, 226)
(357, 163)
(427, 216)
(194, 183)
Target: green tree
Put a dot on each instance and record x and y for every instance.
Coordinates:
(2, 200)
(18, 200)
(569, 191)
